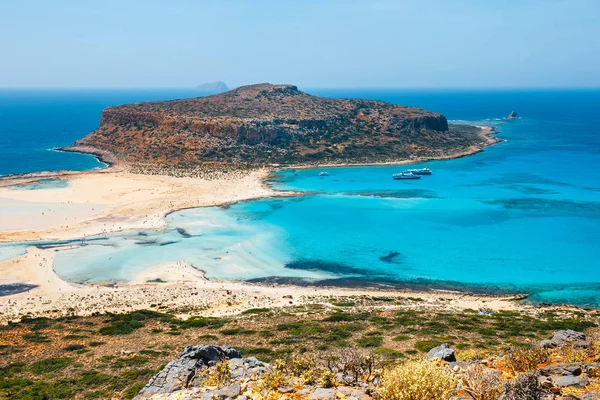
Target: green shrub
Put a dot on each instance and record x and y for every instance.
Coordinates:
(237, 331)
(9, 370)
(426, 345)
(370, 341)
(132, 391)
(51, 365)
(74, 347)
(208, 337)
(339, 317)
(124, 324)
(36, 338)
(202, 322)
(134, 361)
(256, 311)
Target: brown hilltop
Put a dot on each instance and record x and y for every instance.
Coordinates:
(266, 124)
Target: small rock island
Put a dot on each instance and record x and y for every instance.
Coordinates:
(212, 87)
(267, 124)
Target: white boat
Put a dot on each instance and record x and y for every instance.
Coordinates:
(405, 175)
(420, 171)
(323, 173)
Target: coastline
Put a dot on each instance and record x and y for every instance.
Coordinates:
(103, 157)
(181, 289)
(142, 201)
(487, 134)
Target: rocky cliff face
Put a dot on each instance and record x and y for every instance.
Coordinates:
(266, 124)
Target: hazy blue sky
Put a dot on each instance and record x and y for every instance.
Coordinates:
(181, 43)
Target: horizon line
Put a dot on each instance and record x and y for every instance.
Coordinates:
(191, 88)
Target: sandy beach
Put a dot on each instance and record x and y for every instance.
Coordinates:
(181, 289)
(103, 201)
(117, 199)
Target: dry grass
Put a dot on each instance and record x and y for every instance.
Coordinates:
(417, 380)
(525, 360)
(524, 387)
(472, 354)
(481, 384)
(571, 354)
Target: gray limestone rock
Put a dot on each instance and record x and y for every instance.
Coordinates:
(590, 396)
(443, 352)
(180, 374)
(566, 337)
(566, 381)
(322, 393)
(571, 369)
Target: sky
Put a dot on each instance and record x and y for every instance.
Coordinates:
(310, 43)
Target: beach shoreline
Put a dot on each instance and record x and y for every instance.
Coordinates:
(133, 201)
(184, 290)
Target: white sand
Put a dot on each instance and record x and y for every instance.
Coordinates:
(112, 200)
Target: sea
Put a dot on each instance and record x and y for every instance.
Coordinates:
(521, 217)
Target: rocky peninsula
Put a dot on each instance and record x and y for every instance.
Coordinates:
(266, 124)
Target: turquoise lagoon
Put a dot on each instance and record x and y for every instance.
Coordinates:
(522, 216)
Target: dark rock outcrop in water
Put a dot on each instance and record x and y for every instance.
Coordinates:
(266, 124)
(391, 258)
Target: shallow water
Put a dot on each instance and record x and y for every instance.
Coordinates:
(42, 184)
(522, 216)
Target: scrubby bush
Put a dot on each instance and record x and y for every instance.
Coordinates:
(593, 335)
(327, 379)
(524, 387)
(276, 378)
(308, 376)
(525, 360)
(570, 353)
(219, 375)
(74, 347)
(481, 384)
(417, 380)
(472, 354)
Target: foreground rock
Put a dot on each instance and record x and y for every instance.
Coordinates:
(193, 375)
(181, 373)
(564, 338)
(443, 352)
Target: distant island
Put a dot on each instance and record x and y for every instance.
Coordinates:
(267, 124)
(213, 87)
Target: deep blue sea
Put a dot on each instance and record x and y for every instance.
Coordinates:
(34, 122)
(522, 216)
